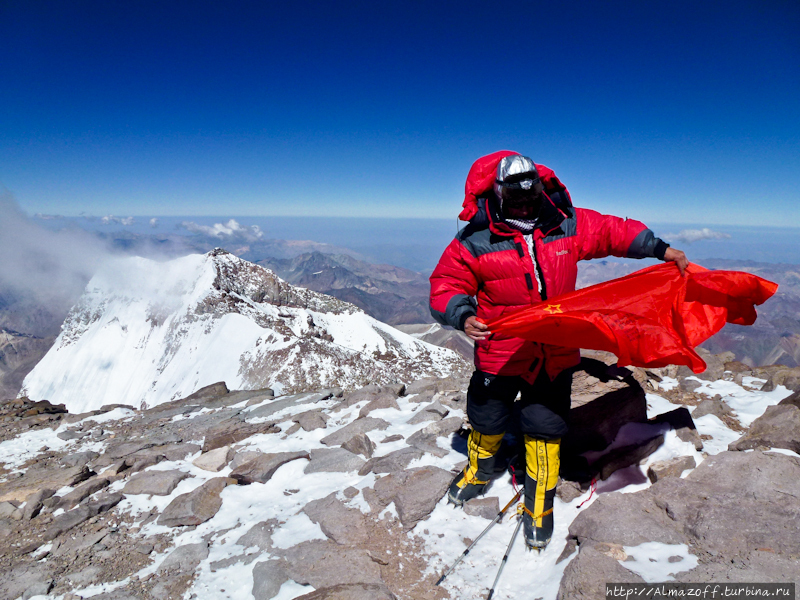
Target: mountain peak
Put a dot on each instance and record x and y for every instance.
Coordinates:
(147, 332)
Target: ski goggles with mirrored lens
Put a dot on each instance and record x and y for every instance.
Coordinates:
(521, 191)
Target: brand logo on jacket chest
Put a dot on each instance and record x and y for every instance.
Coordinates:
(562, 252)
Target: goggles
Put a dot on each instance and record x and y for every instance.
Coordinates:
(520, 192)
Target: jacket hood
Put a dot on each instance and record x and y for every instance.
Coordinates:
(479, 191)
(480, 181)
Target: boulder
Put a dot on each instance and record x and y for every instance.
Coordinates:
(171, 451)
(83, 491)
(373, 392)
(244, 456)
(214, 460)
(735, 366)
(76, 516)
(436, 384)
(357, 591)
(364, 425)
(268, 577)
(324, 564)
(41, 588)
(585, 577)
(392, 462)
(15, 582)
(778, 427)
(333, 460)
(380, 401)
(360, 444)
(43, 475)
(446, 426)
(340, 523)
(124, 448)
(434, 411)
(72, 434)
(568, 490)
(269, 408)
(625, 520)
(85, 576)
(259, 535)
(788, 378)
(184, 558)
(234, 430)
(197, 506)
(10, 510)
(670, 468)
(157, 483)
(206, 393)
(486, 507)
(263, 467)
(33, 503)
(415, 492)
(311, 420)
(727, 519)
(794, 399)
(78, 459)
(426, 441)
(712, 406)
(689, 385)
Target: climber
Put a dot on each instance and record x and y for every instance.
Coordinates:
(521, 246)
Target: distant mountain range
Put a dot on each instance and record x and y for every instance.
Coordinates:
(390, 294)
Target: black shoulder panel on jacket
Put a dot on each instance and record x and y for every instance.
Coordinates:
(568, 228)
(480, 241)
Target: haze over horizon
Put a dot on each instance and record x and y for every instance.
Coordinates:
(664, 112)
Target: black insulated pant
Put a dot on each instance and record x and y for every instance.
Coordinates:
(541, 412)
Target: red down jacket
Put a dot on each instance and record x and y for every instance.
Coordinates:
(491, 269)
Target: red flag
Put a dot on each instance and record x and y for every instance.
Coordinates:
(650, 318)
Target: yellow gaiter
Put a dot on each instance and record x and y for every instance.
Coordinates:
(542, 461)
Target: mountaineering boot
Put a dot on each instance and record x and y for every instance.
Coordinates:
(541, 476)
(471, 482)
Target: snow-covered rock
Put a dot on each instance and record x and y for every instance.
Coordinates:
(147, 332)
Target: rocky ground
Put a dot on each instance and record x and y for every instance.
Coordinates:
(324, 495)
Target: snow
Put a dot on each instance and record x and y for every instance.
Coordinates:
(16, 451)
(116, 414)
(651, 560)
(448, 529)
(296, 530)
(748, 404)
(291, 590)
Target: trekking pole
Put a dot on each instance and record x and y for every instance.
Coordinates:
(505, 557)
(496, 520)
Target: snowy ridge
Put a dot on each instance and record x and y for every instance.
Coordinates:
(147, 332)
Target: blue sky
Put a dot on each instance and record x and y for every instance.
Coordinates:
(664, 111)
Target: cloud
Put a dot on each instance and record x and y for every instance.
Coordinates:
(154, 222)
(695, 235)
(230, 230)
(111, 219)
(42, 272)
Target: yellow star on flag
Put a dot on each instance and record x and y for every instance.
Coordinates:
(553, 308)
